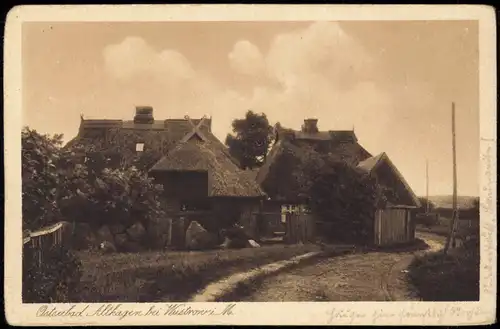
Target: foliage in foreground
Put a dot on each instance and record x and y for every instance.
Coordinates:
(54, 279)
(451, 278)
(81, 185)
(40, 178)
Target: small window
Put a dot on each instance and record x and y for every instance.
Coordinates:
(139, 147)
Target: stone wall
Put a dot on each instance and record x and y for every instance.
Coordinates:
(134, 237)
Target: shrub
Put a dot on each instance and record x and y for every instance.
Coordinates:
(343, 197)
(54, 279)
(40, 178)
(454, 277)
(425, 204)
(115, 196)
(84, 184)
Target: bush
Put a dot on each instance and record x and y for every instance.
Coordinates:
(40, 178)
(115, 196)
(346, 198)
(343, 197)
(81, 184)
(451, 278)
(54, 280)
(424, 205)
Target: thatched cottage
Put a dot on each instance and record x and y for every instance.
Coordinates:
(283, 188)
(201, 180)
(288, 142)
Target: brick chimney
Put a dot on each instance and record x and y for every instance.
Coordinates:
(310, 126)
(144, 114)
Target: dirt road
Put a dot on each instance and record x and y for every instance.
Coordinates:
(373, 276)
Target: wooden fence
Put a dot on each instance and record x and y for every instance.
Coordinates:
(274, 224)
(39, 242)
(394, 226)
(300, 228)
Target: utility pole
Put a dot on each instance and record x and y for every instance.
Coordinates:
(451, 236)
(427, 186)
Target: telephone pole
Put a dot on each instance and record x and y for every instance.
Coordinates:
(427, 186)
(451, 236)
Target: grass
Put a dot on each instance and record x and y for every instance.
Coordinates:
(443, 227)
(169, 275)
(247, 287)
(451, 278)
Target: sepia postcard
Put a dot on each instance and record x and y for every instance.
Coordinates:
(250, 165)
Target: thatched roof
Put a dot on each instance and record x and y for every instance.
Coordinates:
(310, 132)
(377, 164)
(122, 137)
(370, 163)
(211, 156)
(343, 144)
(163, 149)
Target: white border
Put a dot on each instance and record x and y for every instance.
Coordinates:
(482, 312)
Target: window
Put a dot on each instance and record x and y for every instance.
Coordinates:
(139, 147)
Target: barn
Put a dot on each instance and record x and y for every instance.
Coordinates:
(201, 180)
(283, 185)
(395, 222)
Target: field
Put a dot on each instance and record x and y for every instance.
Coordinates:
(443, 227)
(169, 275)
(446, 201)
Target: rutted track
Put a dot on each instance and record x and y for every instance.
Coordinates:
(371, 276)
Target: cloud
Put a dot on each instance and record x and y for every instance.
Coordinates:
(323, 48)
(134, 56)
(317, 71)
(246, 58)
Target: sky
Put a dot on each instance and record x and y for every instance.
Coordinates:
(392, 81)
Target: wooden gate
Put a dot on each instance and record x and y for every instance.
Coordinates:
(393, 226)
(300, 227)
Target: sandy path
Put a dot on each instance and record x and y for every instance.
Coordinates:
(374, 276)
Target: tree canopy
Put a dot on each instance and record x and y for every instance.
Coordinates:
(40, 177)
(425, 204)
(250, 140)
(341, 195)
(81, 184)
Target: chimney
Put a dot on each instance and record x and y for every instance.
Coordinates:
(310, 126)
(144, 114)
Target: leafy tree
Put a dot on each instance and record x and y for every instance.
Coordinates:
(82, 184)
(424, 202)
(100, 192)
(251, 140)
(40, 178)
(342, 196)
